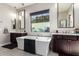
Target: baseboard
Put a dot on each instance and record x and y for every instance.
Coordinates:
(4, 44)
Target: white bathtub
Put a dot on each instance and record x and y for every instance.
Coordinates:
(20, 41)
(41, 44)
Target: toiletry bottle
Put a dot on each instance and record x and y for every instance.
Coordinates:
(56, 31)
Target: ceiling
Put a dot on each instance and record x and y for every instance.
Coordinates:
(19, 5)
(62, 6)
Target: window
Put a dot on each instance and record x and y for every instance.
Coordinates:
(40, 21)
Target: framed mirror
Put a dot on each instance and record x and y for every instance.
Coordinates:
(21, 15)
(65, 15)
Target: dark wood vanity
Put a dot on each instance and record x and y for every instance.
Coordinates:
(66, 44)
(14, 35)
(13, 41)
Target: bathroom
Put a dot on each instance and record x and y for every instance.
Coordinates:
(54, 14)
(20, 27)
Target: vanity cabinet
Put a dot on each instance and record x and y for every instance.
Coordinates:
(74, 47)
(14, 35)
(66, 44)
(60, 45)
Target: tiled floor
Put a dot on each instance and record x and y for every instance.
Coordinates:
(17, 52)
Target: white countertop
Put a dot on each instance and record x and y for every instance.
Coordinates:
(74, 34)
(16, 32)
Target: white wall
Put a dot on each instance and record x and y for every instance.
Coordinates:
(6, 15)
(35, 8)
(53, 17)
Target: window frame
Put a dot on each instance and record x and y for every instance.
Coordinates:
(31, 21)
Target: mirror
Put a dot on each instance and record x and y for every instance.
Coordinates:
(65, 13)
(21, 15)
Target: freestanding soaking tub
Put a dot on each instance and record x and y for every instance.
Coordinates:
(41, 44)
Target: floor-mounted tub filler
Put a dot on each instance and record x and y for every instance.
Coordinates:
(34, 44)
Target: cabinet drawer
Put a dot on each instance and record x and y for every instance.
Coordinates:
(70, 37)
(61, 46)
(57, 36)
(74, 47)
